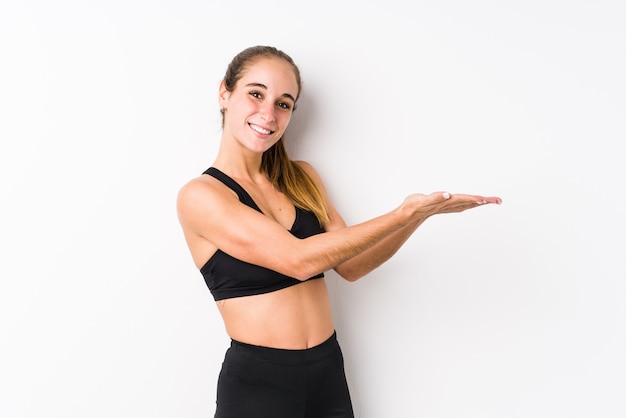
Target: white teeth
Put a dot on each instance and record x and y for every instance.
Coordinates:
(260, 130)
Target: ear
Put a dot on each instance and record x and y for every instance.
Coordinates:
(223, 95)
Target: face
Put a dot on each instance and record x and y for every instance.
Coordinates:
(259, 109)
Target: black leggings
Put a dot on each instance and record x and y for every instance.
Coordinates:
(260, 382)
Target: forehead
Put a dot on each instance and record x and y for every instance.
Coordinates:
(274, 73)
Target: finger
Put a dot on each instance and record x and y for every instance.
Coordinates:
(484, 200)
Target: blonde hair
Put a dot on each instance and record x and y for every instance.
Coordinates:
(288, 177)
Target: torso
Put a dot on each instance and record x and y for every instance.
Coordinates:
(296, 317)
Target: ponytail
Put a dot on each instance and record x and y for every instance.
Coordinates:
(290, 179)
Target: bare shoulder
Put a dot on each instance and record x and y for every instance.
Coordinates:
(305, 165)
(201, 196)
(310, 170)
(199, 188)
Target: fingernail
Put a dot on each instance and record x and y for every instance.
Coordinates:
(446, 195)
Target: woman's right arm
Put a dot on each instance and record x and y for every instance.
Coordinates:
(209, 211)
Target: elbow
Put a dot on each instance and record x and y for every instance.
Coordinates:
(350, 275)
(351, 279)
(305, 263)
(302, 270)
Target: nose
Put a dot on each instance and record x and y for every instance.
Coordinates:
(268, 111)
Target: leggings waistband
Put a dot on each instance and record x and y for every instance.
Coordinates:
(286, 356)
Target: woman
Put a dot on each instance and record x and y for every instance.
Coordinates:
(262, 231)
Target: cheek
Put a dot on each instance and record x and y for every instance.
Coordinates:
(243, 106)
(286, 118)
(240, 111)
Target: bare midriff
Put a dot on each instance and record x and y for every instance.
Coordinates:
(294, 318)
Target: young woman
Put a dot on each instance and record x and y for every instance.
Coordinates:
(262, 231)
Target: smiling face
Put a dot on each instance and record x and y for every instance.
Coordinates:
(258, 110)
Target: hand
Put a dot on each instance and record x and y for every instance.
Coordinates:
(423, 206)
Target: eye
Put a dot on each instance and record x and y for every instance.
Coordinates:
(284, 105)
(256, 94)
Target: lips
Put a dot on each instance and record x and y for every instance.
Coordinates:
(260, 130)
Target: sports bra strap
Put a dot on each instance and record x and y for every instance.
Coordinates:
(244, 197)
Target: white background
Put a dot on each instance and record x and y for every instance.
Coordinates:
(107, 108)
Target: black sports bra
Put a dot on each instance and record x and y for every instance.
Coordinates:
(228, 277)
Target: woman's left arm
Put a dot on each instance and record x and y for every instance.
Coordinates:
(368, 260)
(360, 265)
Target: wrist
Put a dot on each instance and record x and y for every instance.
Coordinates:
(403, 215)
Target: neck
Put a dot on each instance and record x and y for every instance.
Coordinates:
(239, 162)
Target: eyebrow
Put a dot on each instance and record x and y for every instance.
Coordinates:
(263, 86)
